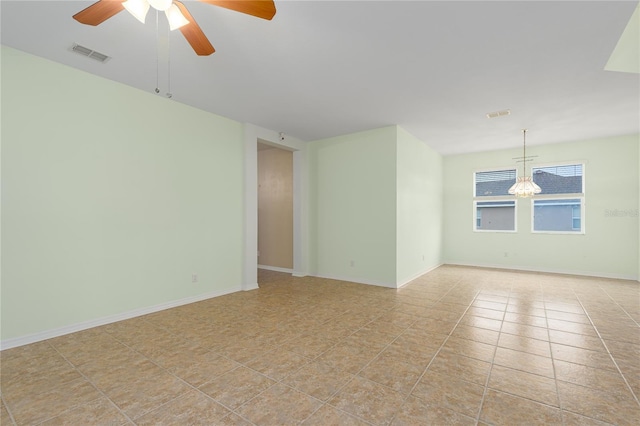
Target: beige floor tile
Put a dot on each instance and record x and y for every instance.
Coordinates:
(18, 382)
(520, 307)
(200, 369)
(370, 338)
(486, 313)
(559, 306)
(492, 297)
(617, 407)
(155, 366)
(481, 322)
(277, 363)
(505, 409)
(111, 376)
(571, 327)
(32, 409)
(595, 359)
(433, 326)
(232, 419)
(625, 353)
(523, 361)
(525, 330)
(23, 354)
(461, 367)
(469, 348)
(396, 373)
(568, 316)
(442, 315)
(596, 378)
(97, 412)
(572, 419)
(331, 416)
(279, 405)
(577, 340)
(415, 412)
(393, 322)
(244, 350)
(309, 345)
(89, 347)
(442, 390)
(481, 335)
(191, 408)
(5, 417)
(496, 306)
(524, 344)
(526, 319)
(348, 356)
(237, 386)
(526, 385)
(318, 380)
(143, 395)
(373, 402)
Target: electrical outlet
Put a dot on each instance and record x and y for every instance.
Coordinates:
(353, 263)
(194, 278)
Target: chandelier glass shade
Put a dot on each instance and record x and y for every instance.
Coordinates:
(524, 187)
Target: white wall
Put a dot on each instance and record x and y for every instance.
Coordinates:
(419, 208)
(609, 248)
(353, 207)
(111, 199)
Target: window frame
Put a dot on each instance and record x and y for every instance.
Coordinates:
(507, 198)
(563, 196)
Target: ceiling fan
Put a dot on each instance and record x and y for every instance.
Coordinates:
(177, 14)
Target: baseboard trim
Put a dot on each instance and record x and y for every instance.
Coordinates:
(250, 287)
(418, 275)
(276, 269)
(72, 328)
(354, 280)
(547, 271)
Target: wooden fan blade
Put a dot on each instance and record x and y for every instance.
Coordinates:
(99, 12)
(194, 35)
(264, 9)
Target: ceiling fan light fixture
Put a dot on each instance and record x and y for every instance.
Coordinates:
(161, 5)
(138, 8)
(175, 17)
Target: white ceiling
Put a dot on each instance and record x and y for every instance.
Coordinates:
(327, 68)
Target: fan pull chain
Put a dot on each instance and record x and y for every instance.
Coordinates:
(169, 95)
(157, 54)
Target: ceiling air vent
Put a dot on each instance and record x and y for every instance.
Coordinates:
(85, 51)
(498, 113)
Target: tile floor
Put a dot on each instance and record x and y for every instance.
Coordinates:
(456, 346)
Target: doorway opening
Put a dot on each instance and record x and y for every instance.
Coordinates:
(275, 212)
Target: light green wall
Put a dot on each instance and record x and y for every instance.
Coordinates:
(376, 201)
(353, 205)
(609, 246)
(111, 198)
(419, 207)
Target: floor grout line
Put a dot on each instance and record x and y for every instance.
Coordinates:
(608, 351)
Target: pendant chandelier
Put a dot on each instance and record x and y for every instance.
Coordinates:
(524, 187)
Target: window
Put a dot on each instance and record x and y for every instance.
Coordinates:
(495, 215)
(559, 207)
(494, 208)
